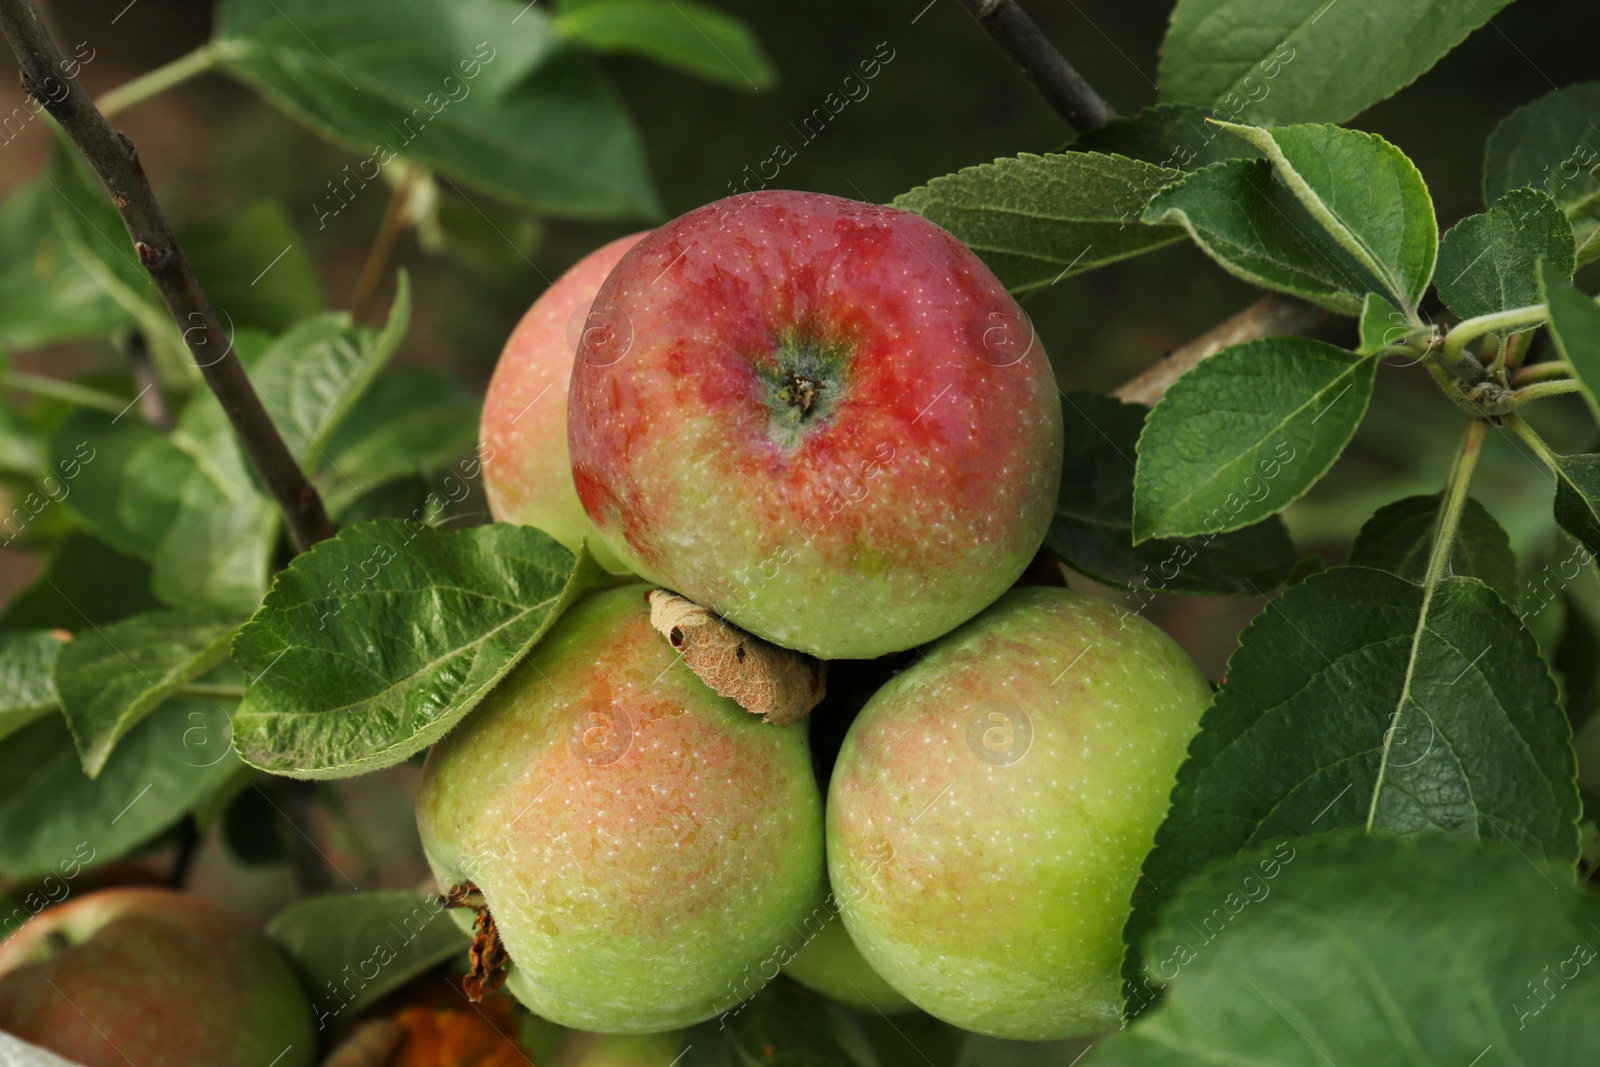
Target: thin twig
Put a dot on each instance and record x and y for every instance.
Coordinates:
(116, 163)
(382, 250)
(1271, 316)
(1020, 38)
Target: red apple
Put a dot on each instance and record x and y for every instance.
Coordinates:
(825, 420)
(149, 976)
(992, 804)
(526, 474)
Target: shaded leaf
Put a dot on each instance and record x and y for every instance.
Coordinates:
(374, 643)
(1553, 145)
(1167, 135)
(1365, 194)
(482, 91)
(111, 677)
(1366, 950)
(1358, 700)
(1282, 61)
(1092, 530)
(1244, 434)
(1575, 328)
(83, 581)
(1577, 504)
(1250, 223)
(255, 269)
(1036, 219)
(781, 1026)
(45, 295)
(1399, 537)
(413, 420)
(48, 806)
(1487, 263)
(692, 37)
(25, 689)
(392, 935)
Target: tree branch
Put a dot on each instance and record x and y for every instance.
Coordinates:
(1042, 64)
(1271, 316)
(116, 163)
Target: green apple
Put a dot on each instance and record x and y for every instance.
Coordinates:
(149, 976)
(642, 843)
(992, 804)
(829, 963)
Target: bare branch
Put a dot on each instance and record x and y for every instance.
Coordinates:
(116, 163)
(1042, 64)
(1271, 316)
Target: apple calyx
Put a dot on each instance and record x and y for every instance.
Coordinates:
(487, 956)
(779, 684)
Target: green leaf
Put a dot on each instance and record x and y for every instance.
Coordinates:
(255, 269)
(1036, 219)
(83, 582)
(1490, 262)
(110, 678)
(1359, 950)
(783, 1025)
(482, 91)
(1360, 700)
(48, 806)
(694, 38)
(1382, 325)
(1399, 537)
(391, 934)
(1280, 61)
(1366, 194)
(308, 378)
(1166, 135)
(1553, 144)
(45, 295)
(1577, 505)
(1575, 328)
(374, 643)
(21, 448)
(1092, 531)
(1244, 434)
(1256, 229)
(411, 421)
(25, 689)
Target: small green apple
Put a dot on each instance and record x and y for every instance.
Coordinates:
(149, 976)
(829, 963)
(992, 804)
(642, 843)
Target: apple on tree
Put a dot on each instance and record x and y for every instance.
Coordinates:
(150, 976)
(824, 420)
(526, 474)
(642, 844)
(991, 806)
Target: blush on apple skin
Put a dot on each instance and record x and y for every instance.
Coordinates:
(523, 434)
(151, 976)
(825, 420)
(992, 805)
(643, 844)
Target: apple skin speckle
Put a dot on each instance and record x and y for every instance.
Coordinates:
(992, 804)
(825, 420)
(643, 844)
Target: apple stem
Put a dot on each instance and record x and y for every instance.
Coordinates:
(1046, 69)
(115, 162)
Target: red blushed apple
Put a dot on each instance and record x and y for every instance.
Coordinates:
(526, 474)
(149, 976)
(825, 420)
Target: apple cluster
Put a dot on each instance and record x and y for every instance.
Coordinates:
(827, 422)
